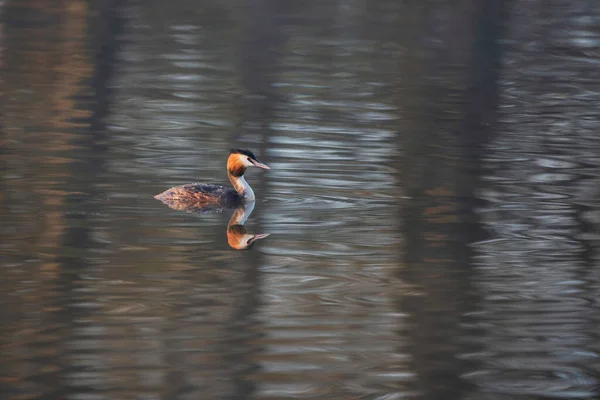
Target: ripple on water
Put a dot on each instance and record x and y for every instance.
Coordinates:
(555, 163)
(551, 178)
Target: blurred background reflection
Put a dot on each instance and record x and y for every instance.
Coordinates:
(433, 204)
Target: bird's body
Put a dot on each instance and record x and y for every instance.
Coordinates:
(202, 193)
(210, 196)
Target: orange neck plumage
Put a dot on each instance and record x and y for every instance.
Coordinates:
(235, 172)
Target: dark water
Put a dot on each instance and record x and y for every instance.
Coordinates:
(433, 204)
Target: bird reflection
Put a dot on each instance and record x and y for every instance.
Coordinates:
(237, 236)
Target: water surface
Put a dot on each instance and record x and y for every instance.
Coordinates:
(432, 204)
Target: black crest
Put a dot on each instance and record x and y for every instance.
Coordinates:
(245, 152)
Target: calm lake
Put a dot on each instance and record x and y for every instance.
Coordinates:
(433, 203)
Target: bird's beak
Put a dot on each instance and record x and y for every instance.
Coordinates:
(259, 164)
(258, 237)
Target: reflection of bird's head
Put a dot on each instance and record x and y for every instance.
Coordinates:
(240, 159)
(240, 240)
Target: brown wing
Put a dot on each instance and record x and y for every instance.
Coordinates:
(198, 195)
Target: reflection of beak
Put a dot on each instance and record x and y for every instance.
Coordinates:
(258, 237)
(259, 164)
(240, 240)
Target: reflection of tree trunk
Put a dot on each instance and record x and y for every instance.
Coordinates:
(481, 105)
(106, 26)
(244, 330)
(47, 46)
(259, 52)
(258, 66)
(444, 132)
(55, 74)
(534, 276)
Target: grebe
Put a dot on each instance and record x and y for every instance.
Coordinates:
(203, 195)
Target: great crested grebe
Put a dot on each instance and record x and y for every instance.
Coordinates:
(202, 195)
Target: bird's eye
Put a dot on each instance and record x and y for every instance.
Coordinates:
(248, 158)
